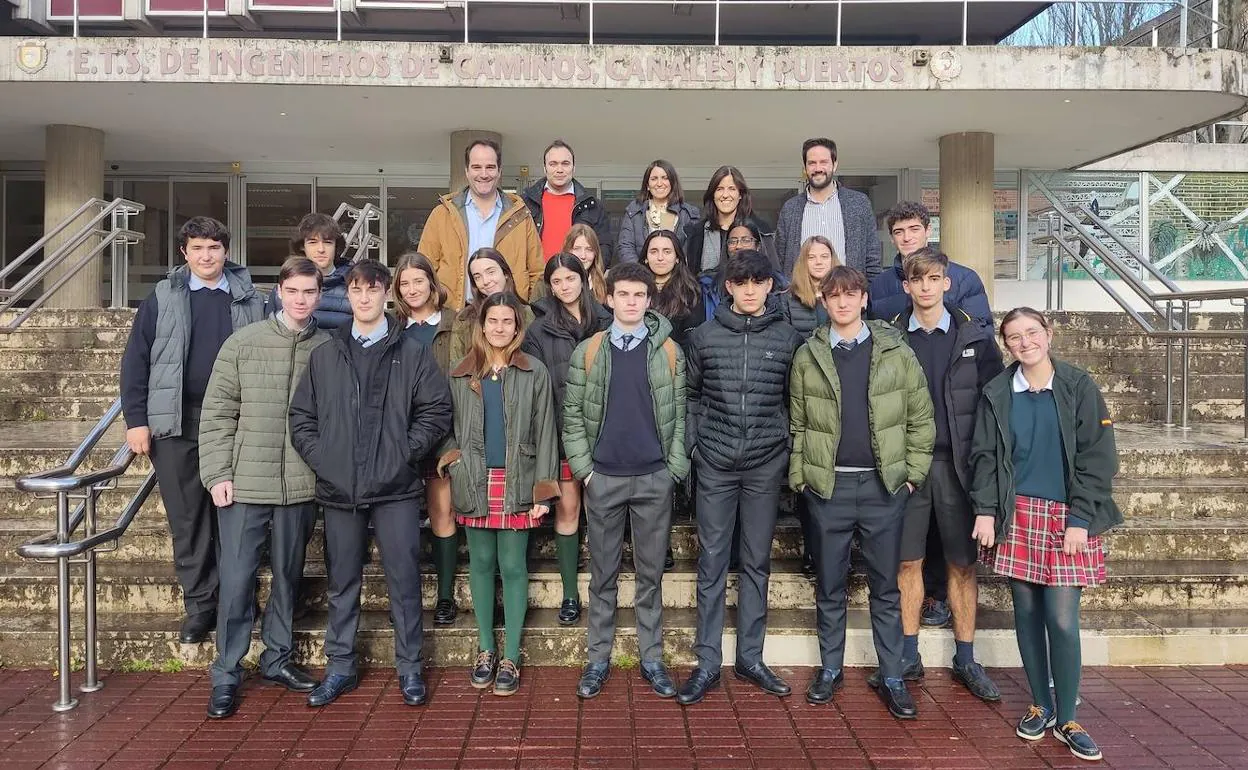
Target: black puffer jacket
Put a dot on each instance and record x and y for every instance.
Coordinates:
(551, 344)
(737, 380)
(975, 361)
(403, 413)
(804, 319)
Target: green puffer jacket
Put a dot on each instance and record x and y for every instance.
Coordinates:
(532, 441)
(903, 427)
(584, 407)
(244, 435)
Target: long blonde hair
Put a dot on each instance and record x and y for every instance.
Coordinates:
(414, 260)
(597, 278)
(481, 350)
(801, 284)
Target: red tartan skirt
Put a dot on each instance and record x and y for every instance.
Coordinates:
(1032, 549)
(565, 473)
(497, 518)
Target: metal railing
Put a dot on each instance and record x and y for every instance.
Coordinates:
(116, 235)
(77, 541)
(360, 238)
(1068, 235)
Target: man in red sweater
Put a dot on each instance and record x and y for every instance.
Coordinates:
(558, 201)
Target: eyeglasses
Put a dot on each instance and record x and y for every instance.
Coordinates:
(746, 241)
(1031, 335)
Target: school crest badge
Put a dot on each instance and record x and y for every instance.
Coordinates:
(32, 56)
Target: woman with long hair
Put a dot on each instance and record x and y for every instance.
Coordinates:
(726, 202)
(490, 274)
(660, 205)
(502, 457)
(1043, 459)
(802, 305)
(419, 300)
(566, 316)
(583, 242)
(679, 296)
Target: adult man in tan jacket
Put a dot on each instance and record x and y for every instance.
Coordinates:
(482, 216)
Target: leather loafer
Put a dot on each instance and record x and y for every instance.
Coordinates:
(669, 561)
(292, 678)
(331, 687)
(445, 612)
(484, 670)
(569, 612)
(823, 686)
(695, 688)
(654, 672)
(195, 628)
(911, 671)
(897, 698)
(593, 678)
(413, 688)
(224, 701)
(763, 678)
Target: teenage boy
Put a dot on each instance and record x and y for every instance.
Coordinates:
(177, 333)
(737, 430)
(624, 433)
(559, 201)
(959, 356)
(244, 447)
(862, 428)
(370, 407)
(319, 238)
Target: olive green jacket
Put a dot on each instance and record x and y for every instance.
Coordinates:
(532, 440)
(244, 434)
(903, 427)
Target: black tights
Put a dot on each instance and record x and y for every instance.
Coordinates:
(1046, 621)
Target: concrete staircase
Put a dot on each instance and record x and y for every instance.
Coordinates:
(1178, 588)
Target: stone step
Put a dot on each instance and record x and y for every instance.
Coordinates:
(65, 338)
(1133, 585)
(38, 409)
(36, 385)
(63, 360)
(1223, 361)
(1119, 638)
(58, 318)
(1146, 408)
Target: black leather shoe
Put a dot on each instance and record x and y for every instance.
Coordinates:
(695, 688)
(808, 566)
(669, 562)
(654, 672)
(195, 628)
(569, 612)
(763, 678)
(823, 686)
(293, 678)
(911, 672)
(224, 701)
(507, 680)
(485, 669)
(332, 686)
(593, 678)
(413, 688)
(444, 612)
(897, 699)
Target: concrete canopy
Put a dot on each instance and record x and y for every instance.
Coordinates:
(1048, 108)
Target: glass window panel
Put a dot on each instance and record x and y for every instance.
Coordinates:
(23, 221)
(273, 213)
(149, 258)
(407, 208)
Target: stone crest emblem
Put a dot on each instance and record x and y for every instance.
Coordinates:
(32, 56)
(945, 65)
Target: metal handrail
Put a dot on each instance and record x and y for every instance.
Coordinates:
(60, 545)
(116, 236)
(360, 237)
(1173, 305)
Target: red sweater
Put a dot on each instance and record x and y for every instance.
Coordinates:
(556, 221)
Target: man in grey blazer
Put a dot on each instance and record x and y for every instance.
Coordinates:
(830, 209)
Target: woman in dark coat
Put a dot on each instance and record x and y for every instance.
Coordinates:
(566, 315)
(726, 202)
(679, 295)
(660, 205)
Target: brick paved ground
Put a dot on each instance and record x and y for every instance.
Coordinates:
(1143, 718)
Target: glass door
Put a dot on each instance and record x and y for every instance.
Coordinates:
(272, 209)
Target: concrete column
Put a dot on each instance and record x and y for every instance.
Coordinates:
(73, 172)
(459, 141)
(966, 202)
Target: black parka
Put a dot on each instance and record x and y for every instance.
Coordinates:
(737, 383)
(551, 344)
(976, 359)
(403, 413)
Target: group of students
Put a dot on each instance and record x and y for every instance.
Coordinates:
(494, 404)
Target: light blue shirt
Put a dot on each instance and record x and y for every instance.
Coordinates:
(480, 233)
(373, 337)
(196, 283)
(618, 334)
(943, 324)
(860, 338)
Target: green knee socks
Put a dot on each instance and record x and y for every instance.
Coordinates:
(482, 561)
(445, 556)
(507, 552)
(567, 551)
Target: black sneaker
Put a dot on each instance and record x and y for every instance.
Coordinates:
(487, 666)
(973, 676)
(936, 614)
(1078, 741)
(1033, 724)
(507, 681)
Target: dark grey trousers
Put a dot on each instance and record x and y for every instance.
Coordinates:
(192, 517)
(859, 502)
(748, 500)
(397, 526)
(646, 502)
(243, 529)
